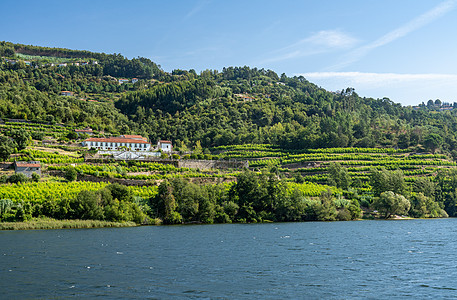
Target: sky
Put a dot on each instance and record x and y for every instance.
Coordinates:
(403, 50)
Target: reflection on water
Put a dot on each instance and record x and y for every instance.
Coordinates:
(366, 259)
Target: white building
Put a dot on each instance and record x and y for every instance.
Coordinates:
(165, 146)
(118, 143)
(134, 80)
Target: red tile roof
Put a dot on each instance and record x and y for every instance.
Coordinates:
(28, 164)
(117, 140)
(163, 141)
(133, 136)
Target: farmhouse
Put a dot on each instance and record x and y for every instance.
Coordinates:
(165, 146)
(122, 80)
(118, 143)
(27, 167)
(66, 93)
(134, 80)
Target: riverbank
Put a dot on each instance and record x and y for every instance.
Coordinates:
(61, 224)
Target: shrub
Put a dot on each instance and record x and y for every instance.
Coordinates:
(16, 178)
(71, 174)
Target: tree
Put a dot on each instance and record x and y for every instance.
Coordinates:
(120, 192)
(6, 148)
(338, 176)
(383, 180)
(198, 148)
(71, 174)
(21, 137)
(326, 209)
(85, 206)
(166, 205)
(433, 141)
(389, 203)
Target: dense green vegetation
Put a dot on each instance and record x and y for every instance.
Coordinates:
(313, 154)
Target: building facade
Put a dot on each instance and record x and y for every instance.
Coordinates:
(27, 167)
(165, 146)
(118, 143)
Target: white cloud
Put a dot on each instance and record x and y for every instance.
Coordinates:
(408, 89)
(319, 42)
(398, 33)
(331, 39)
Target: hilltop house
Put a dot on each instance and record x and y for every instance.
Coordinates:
(27, 167)
(122, 80)
(66, 93)
(134, 80)
(118, 143)
(165, 146)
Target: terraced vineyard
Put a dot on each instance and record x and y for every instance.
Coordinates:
(312, 164)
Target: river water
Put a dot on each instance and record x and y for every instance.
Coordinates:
(314, 260)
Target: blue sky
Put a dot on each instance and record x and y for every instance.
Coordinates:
(404, 50)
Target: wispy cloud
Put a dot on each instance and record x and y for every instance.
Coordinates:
(319, 42)
(398, 33)
(198, 7)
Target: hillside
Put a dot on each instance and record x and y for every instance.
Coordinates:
(235, 106)
(313, 154)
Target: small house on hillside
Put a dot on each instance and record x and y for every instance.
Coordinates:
(134, 80)
(27, 167)
(165, 146)
(122, 80)
(66, 93)
(84, 131)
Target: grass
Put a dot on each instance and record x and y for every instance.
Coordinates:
(46, 223)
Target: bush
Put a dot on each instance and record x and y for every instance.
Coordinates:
(16, 178)
(71, 174)
(343, 215)
(35, 177)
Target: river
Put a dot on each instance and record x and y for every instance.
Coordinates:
(314, 260)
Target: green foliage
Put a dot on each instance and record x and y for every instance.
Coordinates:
(6, 148)
(18, 178)
(338, 176)
(383, 180)
(71, 174)
(390, 203)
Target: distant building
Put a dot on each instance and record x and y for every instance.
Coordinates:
(27, 63)
(165, 146)
(117, 143)
(134, 80)
(62, 65)
(84, 131)
(66, 93)
(244, 97)
(27, 167)
(122, 80)
(134, 137)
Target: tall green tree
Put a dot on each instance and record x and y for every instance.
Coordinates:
(390, 203)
